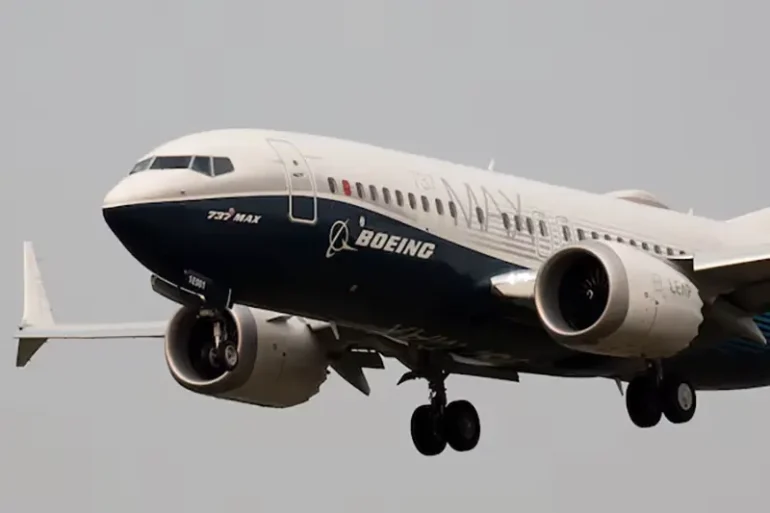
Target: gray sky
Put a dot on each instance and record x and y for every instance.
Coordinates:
(670, 96)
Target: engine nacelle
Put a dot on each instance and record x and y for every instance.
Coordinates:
(280, 362)
(612, 299)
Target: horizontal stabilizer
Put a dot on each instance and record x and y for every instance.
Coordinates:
(38, 326)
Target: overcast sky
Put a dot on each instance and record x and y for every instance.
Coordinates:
(669, 96)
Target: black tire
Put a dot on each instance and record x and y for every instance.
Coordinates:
(678, 400)
(462, 427)
(427, 434)
(643, 402)
(212, 356)
(228, 353)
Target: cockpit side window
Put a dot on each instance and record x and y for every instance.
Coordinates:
(202, 165)
(171, 162)
(141, 165)
(222, 165)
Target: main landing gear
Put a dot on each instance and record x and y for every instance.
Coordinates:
(223, 354)
(436, 424)
(651, 396)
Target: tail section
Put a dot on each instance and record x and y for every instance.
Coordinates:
(38, 325)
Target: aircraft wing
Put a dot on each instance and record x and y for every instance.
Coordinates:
(734, 266)
(38, 324)
(741, 274)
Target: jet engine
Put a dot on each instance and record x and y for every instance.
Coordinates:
(612, 299)
(280, 363)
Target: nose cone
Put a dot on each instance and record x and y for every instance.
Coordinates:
(128, 209)
(131, 190)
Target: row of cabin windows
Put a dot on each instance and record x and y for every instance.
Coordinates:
(400, 199)
(520, 223)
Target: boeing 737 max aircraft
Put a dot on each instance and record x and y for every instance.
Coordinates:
(290, 254)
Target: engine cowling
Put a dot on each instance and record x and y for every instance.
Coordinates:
(280, 362)
(612, 299)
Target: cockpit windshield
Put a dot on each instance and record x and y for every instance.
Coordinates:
(209, 166)
(171, 163)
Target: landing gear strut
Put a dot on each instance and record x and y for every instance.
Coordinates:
(224, 352)
(437, 424)
(651, 396)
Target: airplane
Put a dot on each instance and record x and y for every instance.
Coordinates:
(291, 255)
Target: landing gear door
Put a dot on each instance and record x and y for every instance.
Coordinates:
(303, 203)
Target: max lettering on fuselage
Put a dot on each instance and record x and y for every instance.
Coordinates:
(232, 215)
(339, 240)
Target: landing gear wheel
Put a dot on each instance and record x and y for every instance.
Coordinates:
(229, 355)
(677, 399)
(643, 402)
(213, 357)
(462, 427)
(427, 435)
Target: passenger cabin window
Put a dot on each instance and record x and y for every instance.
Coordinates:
(439, 207)
(373, 192)
(594, 235)
(171, 162)
(480, 215)
(543, 228)
(530, 226)
(425, 204)
(141, 165)
(412, 201)
(386, 195)
(452, 210)
(506, 221)
(360, 190)
(399, 198)
(565, 231)
(517, 222)
(581, 234)
(332, 186)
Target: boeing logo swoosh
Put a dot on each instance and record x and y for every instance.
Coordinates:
(339, 239)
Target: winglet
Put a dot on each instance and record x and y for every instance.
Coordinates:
(37, 309)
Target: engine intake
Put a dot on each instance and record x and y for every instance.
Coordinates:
(612, 299)
(280, 363)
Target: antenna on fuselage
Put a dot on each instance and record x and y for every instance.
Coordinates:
(491, 166)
